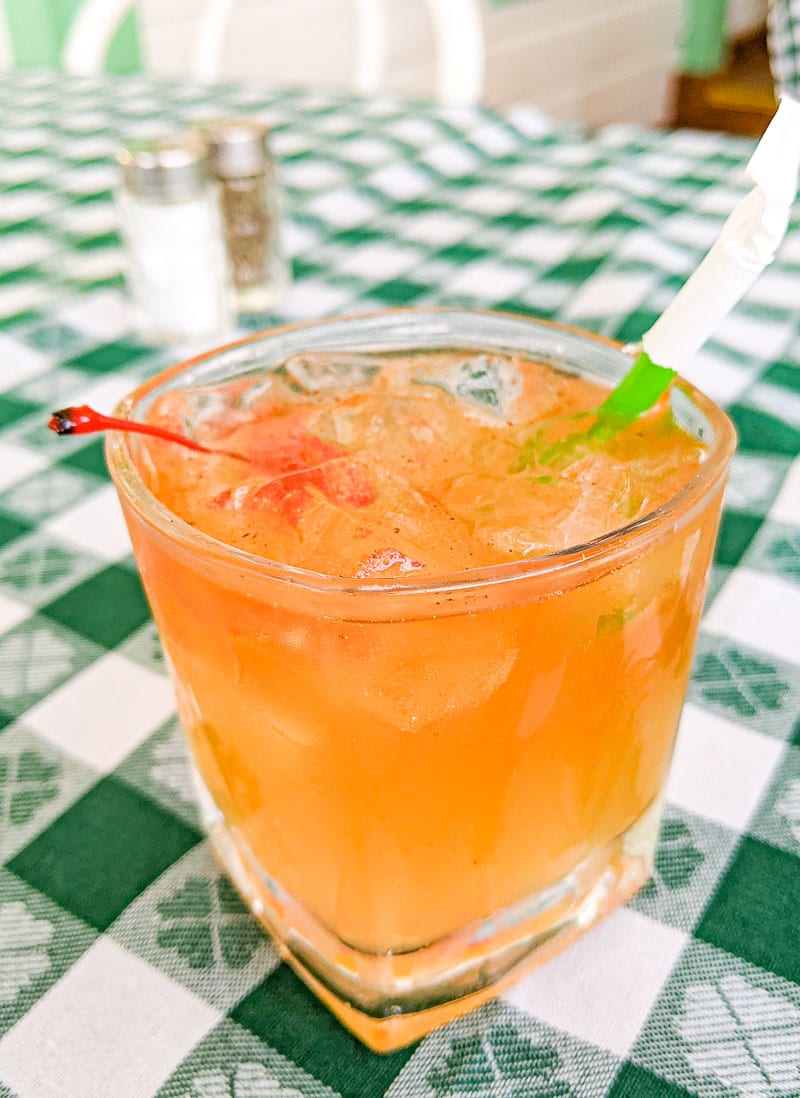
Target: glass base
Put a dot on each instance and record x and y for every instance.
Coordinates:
(389, 1000)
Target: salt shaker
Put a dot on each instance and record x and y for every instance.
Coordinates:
(240, 159)
(171, 224)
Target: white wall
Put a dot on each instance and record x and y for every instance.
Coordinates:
(593, 60)
(746, 16)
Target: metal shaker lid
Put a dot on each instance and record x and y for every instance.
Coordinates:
(237, 146)
(166, 169)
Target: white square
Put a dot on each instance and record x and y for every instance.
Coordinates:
(113, 1025)
(96, 525)
(438, 228)
(19, 362)
(602, 987)
(720, 769)
(495, 140)
(786, 507)
(758, 610)
(777, 402)
(612, 294)
(715, 376)
(296, 238)
(543, 245)
(451, 159)
(379, 262)
(23, 249)
(764, 339)
(21, 205)
(491, 201)
(686, 228)
(776, 289)
(105, 711)
(718, 200)
(489, 281)
(94, 264)
(588, 205)
(17, 463)
(106, 393)
(18, 297)
(537, 176)
(107, 315)
(312, 175)
(11, 612)
(309, 299)
(415, 131)
(365, 150)
(343, 208)
(403, 182)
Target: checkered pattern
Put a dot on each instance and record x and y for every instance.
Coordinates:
(783, 22)
(128, 967)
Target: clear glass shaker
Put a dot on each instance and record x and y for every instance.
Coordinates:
(171, 225)
(240, 159)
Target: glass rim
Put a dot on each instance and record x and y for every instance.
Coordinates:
(626, 539)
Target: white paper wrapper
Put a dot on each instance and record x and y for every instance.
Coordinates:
(748, 242)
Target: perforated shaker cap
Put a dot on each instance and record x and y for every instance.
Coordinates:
(237, 147)
(166, 169)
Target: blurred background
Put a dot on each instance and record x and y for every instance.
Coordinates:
(699, 63)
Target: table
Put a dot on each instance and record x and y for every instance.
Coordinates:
(127, 965)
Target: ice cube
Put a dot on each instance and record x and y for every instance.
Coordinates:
(316, 370)
(489, 383)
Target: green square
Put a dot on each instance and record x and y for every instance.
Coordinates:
(91, 458)
(636, 1082)
(11, 528)
(576, 270)
(462, 254)
(287, 1017)
(753, 914)
(515, 221)
(103, 852)
(106, 608)
(761, 432)
(13, 409)
(110, 357)
(634, 325)
(783, 373)
(399, 292)
(45, 943)
(736, 531)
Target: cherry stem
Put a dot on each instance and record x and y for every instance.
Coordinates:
(83, 420)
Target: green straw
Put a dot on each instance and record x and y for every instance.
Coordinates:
(639, 390)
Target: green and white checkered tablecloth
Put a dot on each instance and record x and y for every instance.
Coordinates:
(128, 966)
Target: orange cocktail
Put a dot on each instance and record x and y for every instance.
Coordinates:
(430, 644)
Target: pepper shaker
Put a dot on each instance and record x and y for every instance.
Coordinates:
(171, 224)
(240, 159)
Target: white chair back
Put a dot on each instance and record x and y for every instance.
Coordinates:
(456, 25)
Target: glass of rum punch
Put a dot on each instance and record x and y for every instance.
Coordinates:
(430, 637)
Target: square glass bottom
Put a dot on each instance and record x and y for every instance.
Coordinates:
(389, 1000)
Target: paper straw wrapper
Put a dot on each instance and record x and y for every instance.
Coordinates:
(748, 242)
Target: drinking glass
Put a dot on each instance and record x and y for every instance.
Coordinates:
(422, 787)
